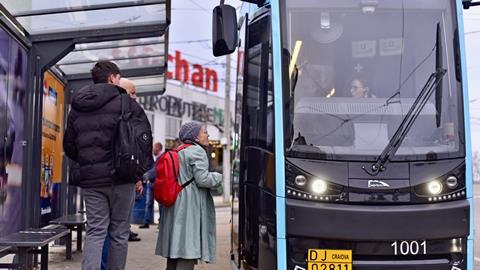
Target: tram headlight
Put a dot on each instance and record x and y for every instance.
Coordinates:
(452, 182)
(319, 186)
(447, 187)
(302, 185)
(300, 180)
(434, 187)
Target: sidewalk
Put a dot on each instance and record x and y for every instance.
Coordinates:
(218, 200)
(141, 254)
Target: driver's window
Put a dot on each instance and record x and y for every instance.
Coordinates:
(258, 91)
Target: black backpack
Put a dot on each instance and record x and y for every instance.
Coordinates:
(132, 144)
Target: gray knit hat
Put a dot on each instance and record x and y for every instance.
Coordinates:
(189, 131)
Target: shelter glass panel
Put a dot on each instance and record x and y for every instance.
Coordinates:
(129, 52)
(120, 43)
(94, 19)
(149, 85)
(13, 88)
(18, 6)
(122, 64)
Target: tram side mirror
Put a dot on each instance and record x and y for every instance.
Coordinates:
(469, 3)
(224, 30)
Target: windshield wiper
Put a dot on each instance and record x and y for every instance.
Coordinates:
(438, 64)
(407, 122)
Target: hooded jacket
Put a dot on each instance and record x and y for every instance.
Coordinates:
(91, 126)
(188, 228)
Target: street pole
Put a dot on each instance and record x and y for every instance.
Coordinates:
(226, 133)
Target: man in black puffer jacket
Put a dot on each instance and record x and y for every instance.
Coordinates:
(88, 140)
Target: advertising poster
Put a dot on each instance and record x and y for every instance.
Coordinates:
(52, 137)
(13, 80)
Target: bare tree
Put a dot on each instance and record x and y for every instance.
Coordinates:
(476, 166)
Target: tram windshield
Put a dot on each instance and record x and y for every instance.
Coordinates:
(356, 68)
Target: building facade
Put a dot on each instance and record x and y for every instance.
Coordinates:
(182, 103)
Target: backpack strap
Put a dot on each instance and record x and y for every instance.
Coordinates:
(181, 147)
(124, 103)
(122, 106)
(178, 149)
(188, 182)
(173, 164)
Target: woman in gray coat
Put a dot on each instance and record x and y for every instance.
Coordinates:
(187, 229)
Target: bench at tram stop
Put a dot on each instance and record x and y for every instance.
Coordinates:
(4, 251)
(34, 241)
(74, 222)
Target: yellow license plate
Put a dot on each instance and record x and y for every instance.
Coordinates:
(329, 266)
(329, 259)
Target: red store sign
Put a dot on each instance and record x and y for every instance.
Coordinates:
(201, 77)
(184, 71)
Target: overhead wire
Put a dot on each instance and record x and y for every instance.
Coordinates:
(472, 32)
(200, 6)
(190, 41)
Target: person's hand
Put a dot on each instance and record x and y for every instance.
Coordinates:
(145, 177)
(139, 187)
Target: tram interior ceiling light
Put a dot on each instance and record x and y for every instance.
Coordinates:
(324, 20)
(331, 93)
(368, 6)
(329, 31)
(293, 61)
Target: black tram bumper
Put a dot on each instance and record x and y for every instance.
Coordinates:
(369, 232)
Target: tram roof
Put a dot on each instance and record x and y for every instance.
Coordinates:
(131, 33)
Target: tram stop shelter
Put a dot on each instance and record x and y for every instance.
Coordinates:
(66, 38)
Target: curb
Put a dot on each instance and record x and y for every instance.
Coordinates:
(222, 205)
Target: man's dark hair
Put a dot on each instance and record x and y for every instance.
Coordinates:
(102, 70)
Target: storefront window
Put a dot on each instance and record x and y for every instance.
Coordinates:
(172, 126)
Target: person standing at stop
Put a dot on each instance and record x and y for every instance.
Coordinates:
(187, 229)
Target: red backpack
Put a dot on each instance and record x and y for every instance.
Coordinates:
(166, 187)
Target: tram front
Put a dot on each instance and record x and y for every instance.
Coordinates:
(375, 143)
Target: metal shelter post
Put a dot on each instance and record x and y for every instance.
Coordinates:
(41, 57)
